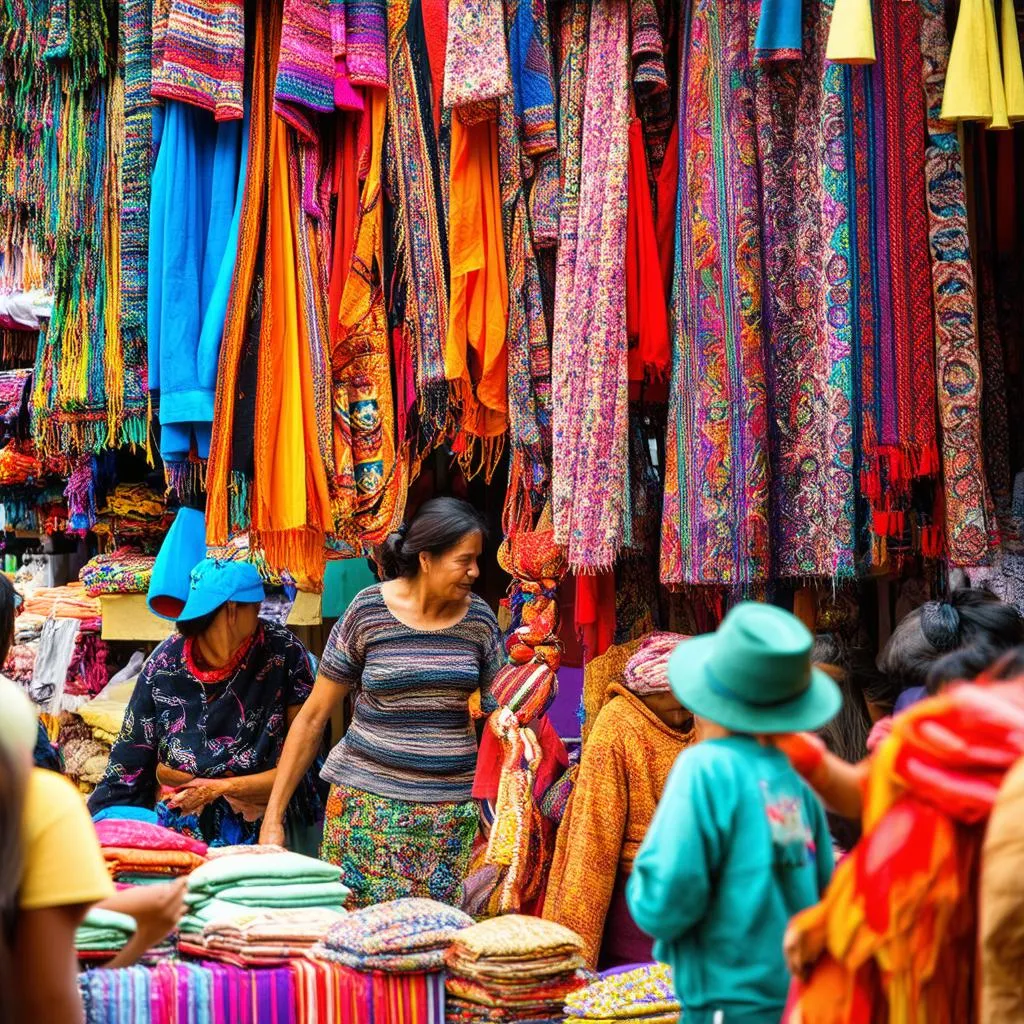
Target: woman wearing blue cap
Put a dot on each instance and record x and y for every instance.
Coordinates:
(207, 722)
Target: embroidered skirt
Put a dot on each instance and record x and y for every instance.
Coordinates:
(388, 849)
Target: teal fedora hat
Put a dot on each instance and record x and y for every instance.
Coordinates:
(754, 674)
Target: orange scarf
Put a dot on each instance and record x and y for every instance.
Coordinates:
(476, 361)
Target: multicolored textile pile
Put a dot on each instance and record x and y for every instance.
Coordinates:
(261, 938)
(512, 968)
(123, 571)
(641, 996)
(138, 853)
(403, 936)
(302, 992)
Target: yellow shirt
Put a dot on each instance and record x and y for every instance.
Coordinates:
(63, 864)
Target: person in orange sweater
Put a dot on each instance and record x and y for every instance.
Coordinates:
(639, 732)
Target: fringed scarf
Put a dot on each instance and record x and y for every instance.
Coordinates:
(803, 136)
(422, 245)
(589, 372)
(715, 521)
(523, 124)
(968, 527)
(370, 476)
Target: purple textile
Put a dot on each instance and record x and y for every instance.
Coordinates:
(624, 944)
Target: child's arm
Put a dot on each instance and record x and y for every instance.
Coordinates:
(670, 886)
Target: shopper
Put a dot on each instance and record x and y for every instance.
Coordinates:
(637, 736)
(739, 843)
(208, 719)
(400, 818)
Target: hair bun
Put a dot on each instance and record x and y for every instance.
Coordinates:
(940, 623)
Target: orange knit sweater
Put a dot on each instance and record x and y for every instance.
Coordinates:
(625, 765)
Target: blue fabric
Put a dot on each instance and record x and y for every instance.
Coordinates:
(45, 754)
(198, 183)
(183, 547)
(908, 697)
(123, 812)
(738, 845)
(213, 582)
(779, 30)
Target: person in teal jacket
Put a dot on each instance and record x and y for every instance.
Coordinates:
(739, 843)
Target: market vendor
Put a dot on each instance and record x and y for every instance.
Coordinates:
(639, 732)
(400, 818)
(207, 721)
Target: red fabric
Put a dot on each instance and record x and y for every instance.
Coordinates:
(346, 188)
(595, 612)
(668, 187)
(646, 311)
(435, 26)
(554, 761)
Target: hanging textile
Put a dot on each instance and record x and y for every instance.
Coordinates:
(968, 506)
(715, 521)
(589, 371)
(366, 36)
(802, 132)
(476, 360)
(370, 474)
(476, 69)
(422, 244)
(305, 66)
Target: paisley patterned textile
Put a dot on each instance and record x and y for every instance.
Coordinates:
(802, 133)
(715, 522)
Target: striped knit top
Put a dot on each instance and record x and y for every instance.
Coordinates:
(411, 737)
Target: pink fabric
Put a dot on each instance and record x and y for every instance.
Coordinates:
(140, 835)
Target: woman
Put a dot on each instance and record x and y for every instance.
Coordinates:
(637, 735)
(209, 716)
(401, 818)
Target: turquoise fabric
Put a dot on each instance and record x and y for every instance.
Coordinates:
(104, 930)
(343, 579)
(260, 869)
(779, 30)
(309, 894)
(738, 845)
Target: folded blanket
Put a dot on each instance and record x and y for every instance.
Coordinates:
(260, 870)
(331, 895)
(104, 930)
(641, 994)
(430, 961)
(139, 835)
(279, 925)
(198, 917)
(165, 862)
(399, 926)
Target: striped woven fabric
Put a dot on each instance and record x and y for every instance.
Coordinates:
(366, 26)
(305, 66)
(201, 57)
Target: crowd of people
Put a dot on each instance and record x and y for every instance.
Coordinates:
(796, 842)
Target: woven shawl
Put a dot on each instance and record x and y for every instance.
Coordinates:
(305, 66)
(958, 370)
(476, 68)
(370, 476)
(715, 520)
(366, 36)
(589, 372)
(422, 239)
(806, 180)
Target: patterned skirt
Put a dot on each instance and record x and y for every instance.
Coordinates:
(388, 849)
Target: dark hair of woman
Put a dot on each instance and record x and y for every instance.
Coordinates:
(1009, 665)
(12, 795)
(939, 627)
(961, 666)
(195, 627)
(8, 613)
(438, 526)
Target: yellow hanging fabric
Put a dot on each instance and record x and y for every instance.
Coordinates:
(851, 33)
(1013, 73)
(974, 80)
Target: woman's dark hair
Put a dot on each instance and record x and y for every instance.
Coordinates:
(437, 527)
(969, 617)
(960, 666)
(8, 613)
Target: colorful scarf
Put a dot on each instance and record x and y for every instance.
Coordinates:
(476, 67)
(958, 371)
(715, 521)
(894, 936)
(201, 56)
(422, 243)
(305, 66)
(589, 372)
(366, 37)
(476, 360)
(806, 180)
(370, 476)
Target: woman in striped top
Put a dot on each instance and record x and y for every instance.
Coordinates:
(401, 818)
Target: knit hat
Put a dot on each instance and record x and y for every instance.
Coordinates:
(646, 672)
(19, 725)
(184, 545)
(754, 674)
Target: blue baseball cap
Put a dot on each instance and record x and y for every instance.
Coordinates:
(214, 582)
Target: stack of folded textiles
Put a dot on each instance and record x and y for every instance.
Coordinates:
(122, 571)
(643, 995)
(103, 934)
(406, 936)
(261, 938)
(513, 969)
(139, 853)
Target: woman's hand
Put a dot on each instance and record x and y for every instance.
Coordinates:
(157, 909)
(193, 796)
(271, 833)
(801, 948)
